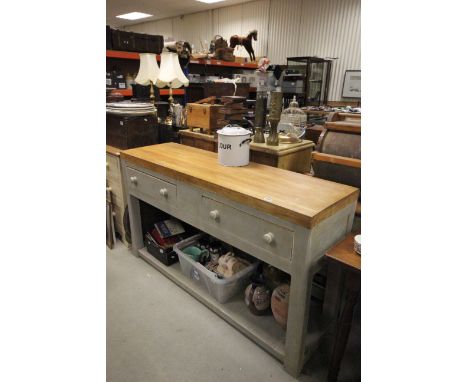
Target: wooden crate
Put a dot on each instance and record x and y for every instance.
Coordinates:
(203, 116)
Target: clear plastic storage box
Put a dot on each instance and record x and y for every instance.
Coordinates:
(221, 289)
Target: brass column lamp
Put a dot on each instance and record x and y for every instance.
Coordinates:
(171, 75)
(148, 73)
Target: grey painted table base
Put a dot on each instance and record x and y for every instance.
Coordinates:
(295, 250)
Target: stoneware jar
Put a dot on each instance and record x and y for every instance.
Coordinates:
(234, 146)
(258, 296)
(280, 303)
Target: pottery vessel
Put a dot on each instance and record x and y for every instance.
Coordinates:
(258, 296)
(280, 304)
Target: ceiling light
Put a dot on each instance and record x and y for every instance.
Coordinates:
(134, 16)
(209, 1)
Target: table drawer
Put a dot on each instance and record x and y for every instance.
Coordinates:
(112, 168)
(163, 193)
(256, 232)
(117, 191)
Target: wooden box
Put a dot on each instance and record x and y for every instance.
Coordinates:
(202, 116)
(130, 131)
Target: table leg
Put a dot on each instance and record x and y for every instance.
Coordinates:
(298, 319)
(352, 291)
(135, 224)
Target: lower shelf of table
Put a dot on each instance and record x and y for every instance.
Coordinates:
(263, 330)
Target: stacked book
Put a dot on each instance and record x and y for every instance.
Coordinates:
(165, 234)
(232, 112)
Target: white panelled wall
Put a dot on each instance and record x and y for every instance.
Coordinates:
(286, 28)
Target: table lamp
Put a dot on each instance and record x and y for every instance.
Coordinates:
(171, 75)
(148, 72)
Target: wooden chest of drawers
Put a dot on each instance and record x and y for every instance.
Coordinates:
(114, 181)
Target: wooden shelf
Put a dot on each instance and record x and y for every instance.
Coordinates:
(125, 55)
(163, 92)
(263, 330)
(243, 65)
(199, 61)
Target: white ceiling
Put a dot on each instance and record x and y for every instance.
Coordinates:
(159, 8)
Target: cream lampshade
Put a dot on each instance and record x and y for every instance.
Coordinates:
(170, 73)
(149, 70)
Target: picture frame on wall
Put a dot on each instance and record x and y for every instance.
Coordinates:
(352, 84)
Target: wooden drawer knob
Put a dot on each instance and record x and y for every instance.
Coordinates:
(107, 165)
(163, 192)
(214, 214)
(133, 179)
(269, 237)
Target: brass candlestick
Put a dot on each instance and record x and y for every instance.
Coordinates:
(152, 98)
(170, 113)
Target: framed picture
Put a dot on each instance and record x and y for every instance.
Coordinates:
(352, 84)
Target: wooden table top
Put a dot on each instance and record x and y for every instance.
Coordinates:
(112, 150)
(344, 253)
(291, 196)
(280, 150)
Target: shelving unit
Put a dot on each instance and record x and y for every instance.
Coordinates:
(200, 61)
(163, 92)
(195, 66)
(240, 65)
(261, 329)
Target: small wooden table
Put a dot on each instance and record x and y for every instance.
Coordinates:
(346, 264)
(288, 156)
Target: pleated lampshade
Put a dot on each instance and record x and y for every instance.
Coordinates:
(170, 73)
(149, 70)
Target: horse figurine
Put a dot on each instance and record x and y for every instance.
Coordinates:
(246, 42)
(182, 48)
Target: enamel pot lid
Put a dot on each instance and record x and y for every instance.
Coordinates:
(233, 130)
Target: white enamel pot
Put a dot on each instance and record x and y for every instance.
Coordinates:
(234, 146)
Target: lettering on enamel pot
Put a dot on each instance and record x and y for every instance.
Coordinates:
(224, 146)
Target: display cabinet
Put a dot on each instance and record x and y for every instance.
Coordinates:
(308, 79)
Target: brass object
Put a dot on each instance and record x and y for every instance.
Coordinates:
(272, 139)
(285, 138)
(170, 114)
(152, 98)
(260, 109)
(276, 105)
(259, 137)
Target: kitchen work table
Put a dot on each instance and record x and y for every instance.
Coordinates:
(283, 218)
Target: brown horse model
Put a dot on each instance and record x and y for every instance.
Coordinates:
(246, 42)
